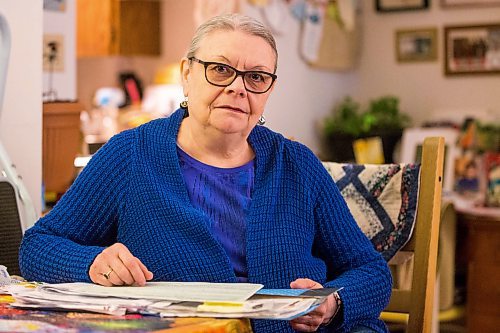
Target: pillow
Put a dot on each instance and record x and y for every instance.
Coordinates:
(382, 199)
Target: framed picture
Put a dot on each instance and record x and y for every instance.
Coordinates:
(54, 5)
(469, 3)
(492, 162)
(473, 49)
(411, 149)
(400, 5)
(416, 45)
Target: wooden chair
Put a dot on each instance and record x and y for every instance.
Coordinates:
(417, 301)
(412, 303)
(11, 231)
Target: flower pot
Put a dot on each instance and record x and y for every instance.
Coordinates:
(389, 142)
(339, 146)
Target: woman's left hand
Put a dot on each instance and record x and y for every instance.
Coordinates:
(321, 315)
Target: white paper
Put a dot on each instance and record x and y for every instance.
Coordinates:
(174, 299)
(171, 291)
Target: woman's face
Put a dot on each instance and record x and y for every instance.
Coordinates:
(230, 109)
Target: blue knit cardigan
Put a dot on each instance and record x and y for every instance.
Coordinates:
(132, 192)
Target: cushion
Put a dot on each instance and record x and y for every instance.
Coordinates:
(382, 199)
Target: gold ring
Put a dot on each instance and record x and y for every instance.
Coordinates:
(106, 275)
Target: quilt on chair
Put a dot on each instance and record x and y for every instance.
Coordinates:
(382, 199)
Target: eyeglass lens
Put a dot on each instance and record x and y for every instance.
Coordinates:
(224, 75)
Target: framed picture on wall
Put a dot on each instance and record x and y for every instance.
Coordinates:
(469, 3)
(400, 5)
(54, 5)
(411, 149)
(416, 45)
(472, 49)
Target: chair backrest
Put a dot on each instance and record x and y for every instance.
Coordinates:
(421, 244)
(418, 300)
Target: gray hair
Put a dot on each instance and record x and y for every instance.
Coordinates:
(232, 22)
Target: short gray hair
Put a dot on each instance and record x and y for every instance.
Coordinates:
(232, 22)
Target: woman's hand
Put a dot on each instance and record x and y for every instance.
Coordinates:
(321, 315)
(116, 266)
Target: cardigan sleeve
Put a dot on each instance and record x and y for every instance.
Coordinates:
(353, 264)
(62, 245)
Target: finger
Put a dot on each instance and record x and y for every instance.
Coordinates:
(308, 320)
(132, 264)
(107, 269)
(120, 274)
(124, 264)
(147, 273)
(325, 311)
(119, 266)
(304, 328)
(103, 281)
(305, 323)
(122, 270)
(112, 277)
(305, 284)
(97, 269)
(97, 276)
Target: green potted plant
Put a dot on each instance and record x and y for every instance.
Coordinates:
(347, 123)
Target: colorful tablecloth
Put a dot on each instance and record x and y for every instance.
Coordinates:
(18, 320)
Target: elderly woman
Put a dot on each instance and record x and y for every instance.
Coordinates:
(209, 194)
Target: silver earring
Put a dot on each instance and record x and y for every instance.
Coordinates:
(262, 120)
(184, 104)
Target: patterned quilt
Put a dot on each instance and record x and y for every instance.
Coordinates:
(382, 199)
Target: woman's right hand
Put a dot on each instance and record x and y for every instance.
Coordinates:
(116, 266)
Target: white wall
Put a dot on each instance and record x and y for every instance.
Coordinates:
(424, 91)
(21, 117)
(63, 23)
(303, 95)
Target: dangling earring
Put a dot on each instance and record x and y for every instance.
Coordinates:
(262, 120)
(184, 104)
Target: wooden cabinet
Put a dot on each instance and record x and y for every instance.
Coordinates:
(483, 270)
(61, 142)
(118, 27)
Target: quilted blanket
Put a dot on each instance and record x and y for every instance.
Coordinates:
(383, 200)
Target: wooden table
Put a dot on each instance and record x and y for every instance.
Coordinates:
(482, 253)
(18, 320)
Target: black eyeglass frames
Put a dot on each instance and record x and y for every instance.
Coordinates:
(222, 75)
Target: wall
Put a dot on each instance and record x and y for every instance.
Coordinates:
(303, 95)
(21, 117)
(62, 23)
(424, 91)
(177, 27)
(313, 90)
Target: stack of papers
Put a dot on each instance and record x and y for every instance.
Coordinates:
(173, 299)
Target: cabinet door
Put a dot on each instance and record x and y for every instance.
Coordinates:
(97, 27)
(139, 28)
(118, 27)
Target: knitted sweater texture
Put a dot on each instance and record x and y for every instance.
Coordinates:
(132, 192)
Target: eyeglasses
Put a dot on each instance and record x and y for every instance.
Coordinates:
(222, 75)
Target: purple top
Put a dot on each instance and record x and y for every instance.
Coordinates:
(224, 195)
